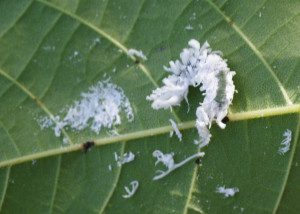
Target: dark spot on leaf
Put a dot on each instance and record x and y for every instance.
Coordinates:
(225, 120)
(198, 161)
(162, 48)
(87, 146)
(137, 61)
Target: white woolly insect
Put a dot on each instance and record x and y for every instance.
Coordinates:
(134, 186)
(168, 161)
(98, 108)
(286, 142)
(175, 127)
(136, 53)
(125, 158)
(227, 192)
(198, 66)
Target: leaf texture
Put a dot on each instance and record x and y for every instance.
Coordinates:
(40, 74)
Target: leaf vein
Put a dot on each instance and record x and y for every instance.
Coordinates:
(115, 182)
(16, 20)
(100, 32)
(254, 49)
(151, 132)
(34, 98)
(11, 139)
(5, 188)
(55, 184)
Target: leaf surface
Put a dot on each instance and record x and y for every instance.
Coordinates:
(52, 51)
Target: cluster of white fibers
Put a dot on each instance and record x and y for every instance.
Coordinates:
(125, 158)
(98, 108)
(198, 66)
(286, 142)
(227, 192)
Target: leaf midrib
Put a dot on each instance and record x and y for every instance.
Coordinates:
(134, 135)
(148, 133)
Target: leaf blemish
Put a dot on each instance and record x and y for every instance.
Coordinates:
(87, 146)
(189, 27)
(198, 161)
(225, 120)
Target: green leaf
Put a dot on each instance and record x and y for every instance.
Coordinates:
(39, 77)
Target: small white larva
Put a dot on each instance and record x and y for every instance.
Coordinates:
(125, 158)
(134, 186)
(168, 161)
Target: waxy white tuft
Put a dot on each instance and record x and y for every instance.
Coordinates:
(171, 94)
(227, 192)
(286, 142)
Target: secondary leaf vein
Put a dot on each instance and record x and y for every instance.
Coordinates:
(254, 49)
(55, 185)
(114, 186)
(33, 97)
(5, 187)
